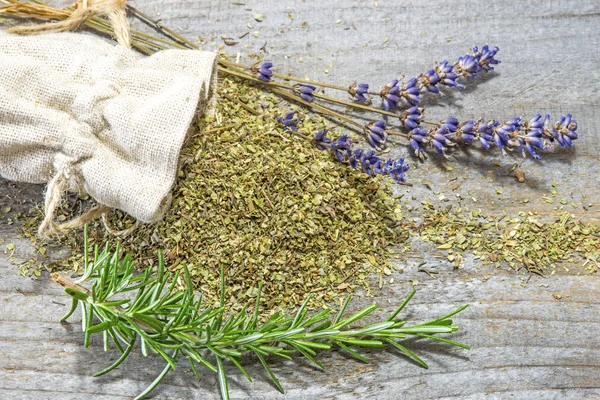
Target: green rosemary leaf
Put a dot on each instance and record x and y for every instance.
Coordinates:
(408, 353)
(433, 322)
(271, 374)
(87, 310)
(157, 381)
(249, 339)
(119, 361)
(342, 310)
(77, 294)
(194, 369)
(315, 345)
(439, 339)
(297, 344)
(426, 329)
(321, 327)
(322, 334)
(99, 327)
(239, 366)
(113, 336)
(309, 356)
(355, 317)
(301, 313)
(222, 379)
(144, 346)
(74, 303)
(352, 352)
(370, 329)
(401, 307)
(114, 303)
(199, 359)
(362, 342)
(320, 316)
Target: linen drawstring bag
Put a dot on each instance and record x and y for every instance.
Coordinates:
(82, 114)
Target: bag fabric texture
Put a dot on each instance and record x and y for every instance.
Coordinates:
(103, 118)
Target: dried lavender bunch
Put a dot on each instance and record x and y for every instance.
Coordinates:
(442, 74)
(441, 137)
(513, 135)
(177, 325)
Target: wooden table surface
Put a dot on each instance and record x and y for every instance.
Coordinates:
(525, 343)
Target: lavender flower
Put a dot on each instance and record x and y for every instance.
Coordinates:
(564, 130)
(429, 80)
(411, 118)
(466, 132)
(359, 92)
(264, 71)
(341, 147)
(410, 91)
(355, 158)
(321, 141)
(467, 66)
(396, 169)
(447, 77)
(440, 139)
(389, 95)
(485, 132)
(485, 57)
(417, 141)
(306, 92)
(289, 123)
(376, 135)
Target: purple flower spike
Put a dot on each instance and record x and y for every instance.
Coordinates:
(440, 138)
(369, 162)
(468, 66)
(376, 135)
(451, 124)
(429, 81)
(466, 132)
(359, 92)
(411, 118)
(396, 169)
(306, 92)
(410, 91)
(321, 141)
(355, 158)
(341, 147)
(389, 95)
(485, 57)
(447, 77)
(416, 138)
(565, 130)
(289, 123)
(264, 71)
(485, 132)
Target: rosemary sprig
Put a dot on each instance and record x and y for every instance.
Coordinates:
(166, 317)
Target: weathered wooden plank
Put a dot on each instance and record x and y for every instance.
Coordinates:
(526, 344)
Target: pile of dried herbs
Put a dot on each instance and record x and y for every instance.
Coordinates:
(269, 207)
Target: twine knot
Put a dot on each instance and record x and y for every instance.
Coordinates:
(71, 18)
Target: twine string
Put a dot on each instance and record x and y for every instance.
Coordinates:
(71, 20)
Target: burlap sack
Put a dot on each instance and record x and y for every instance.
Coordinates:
(80, 113)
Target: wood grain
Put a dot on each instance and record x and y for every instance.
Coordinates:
(526, 344)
